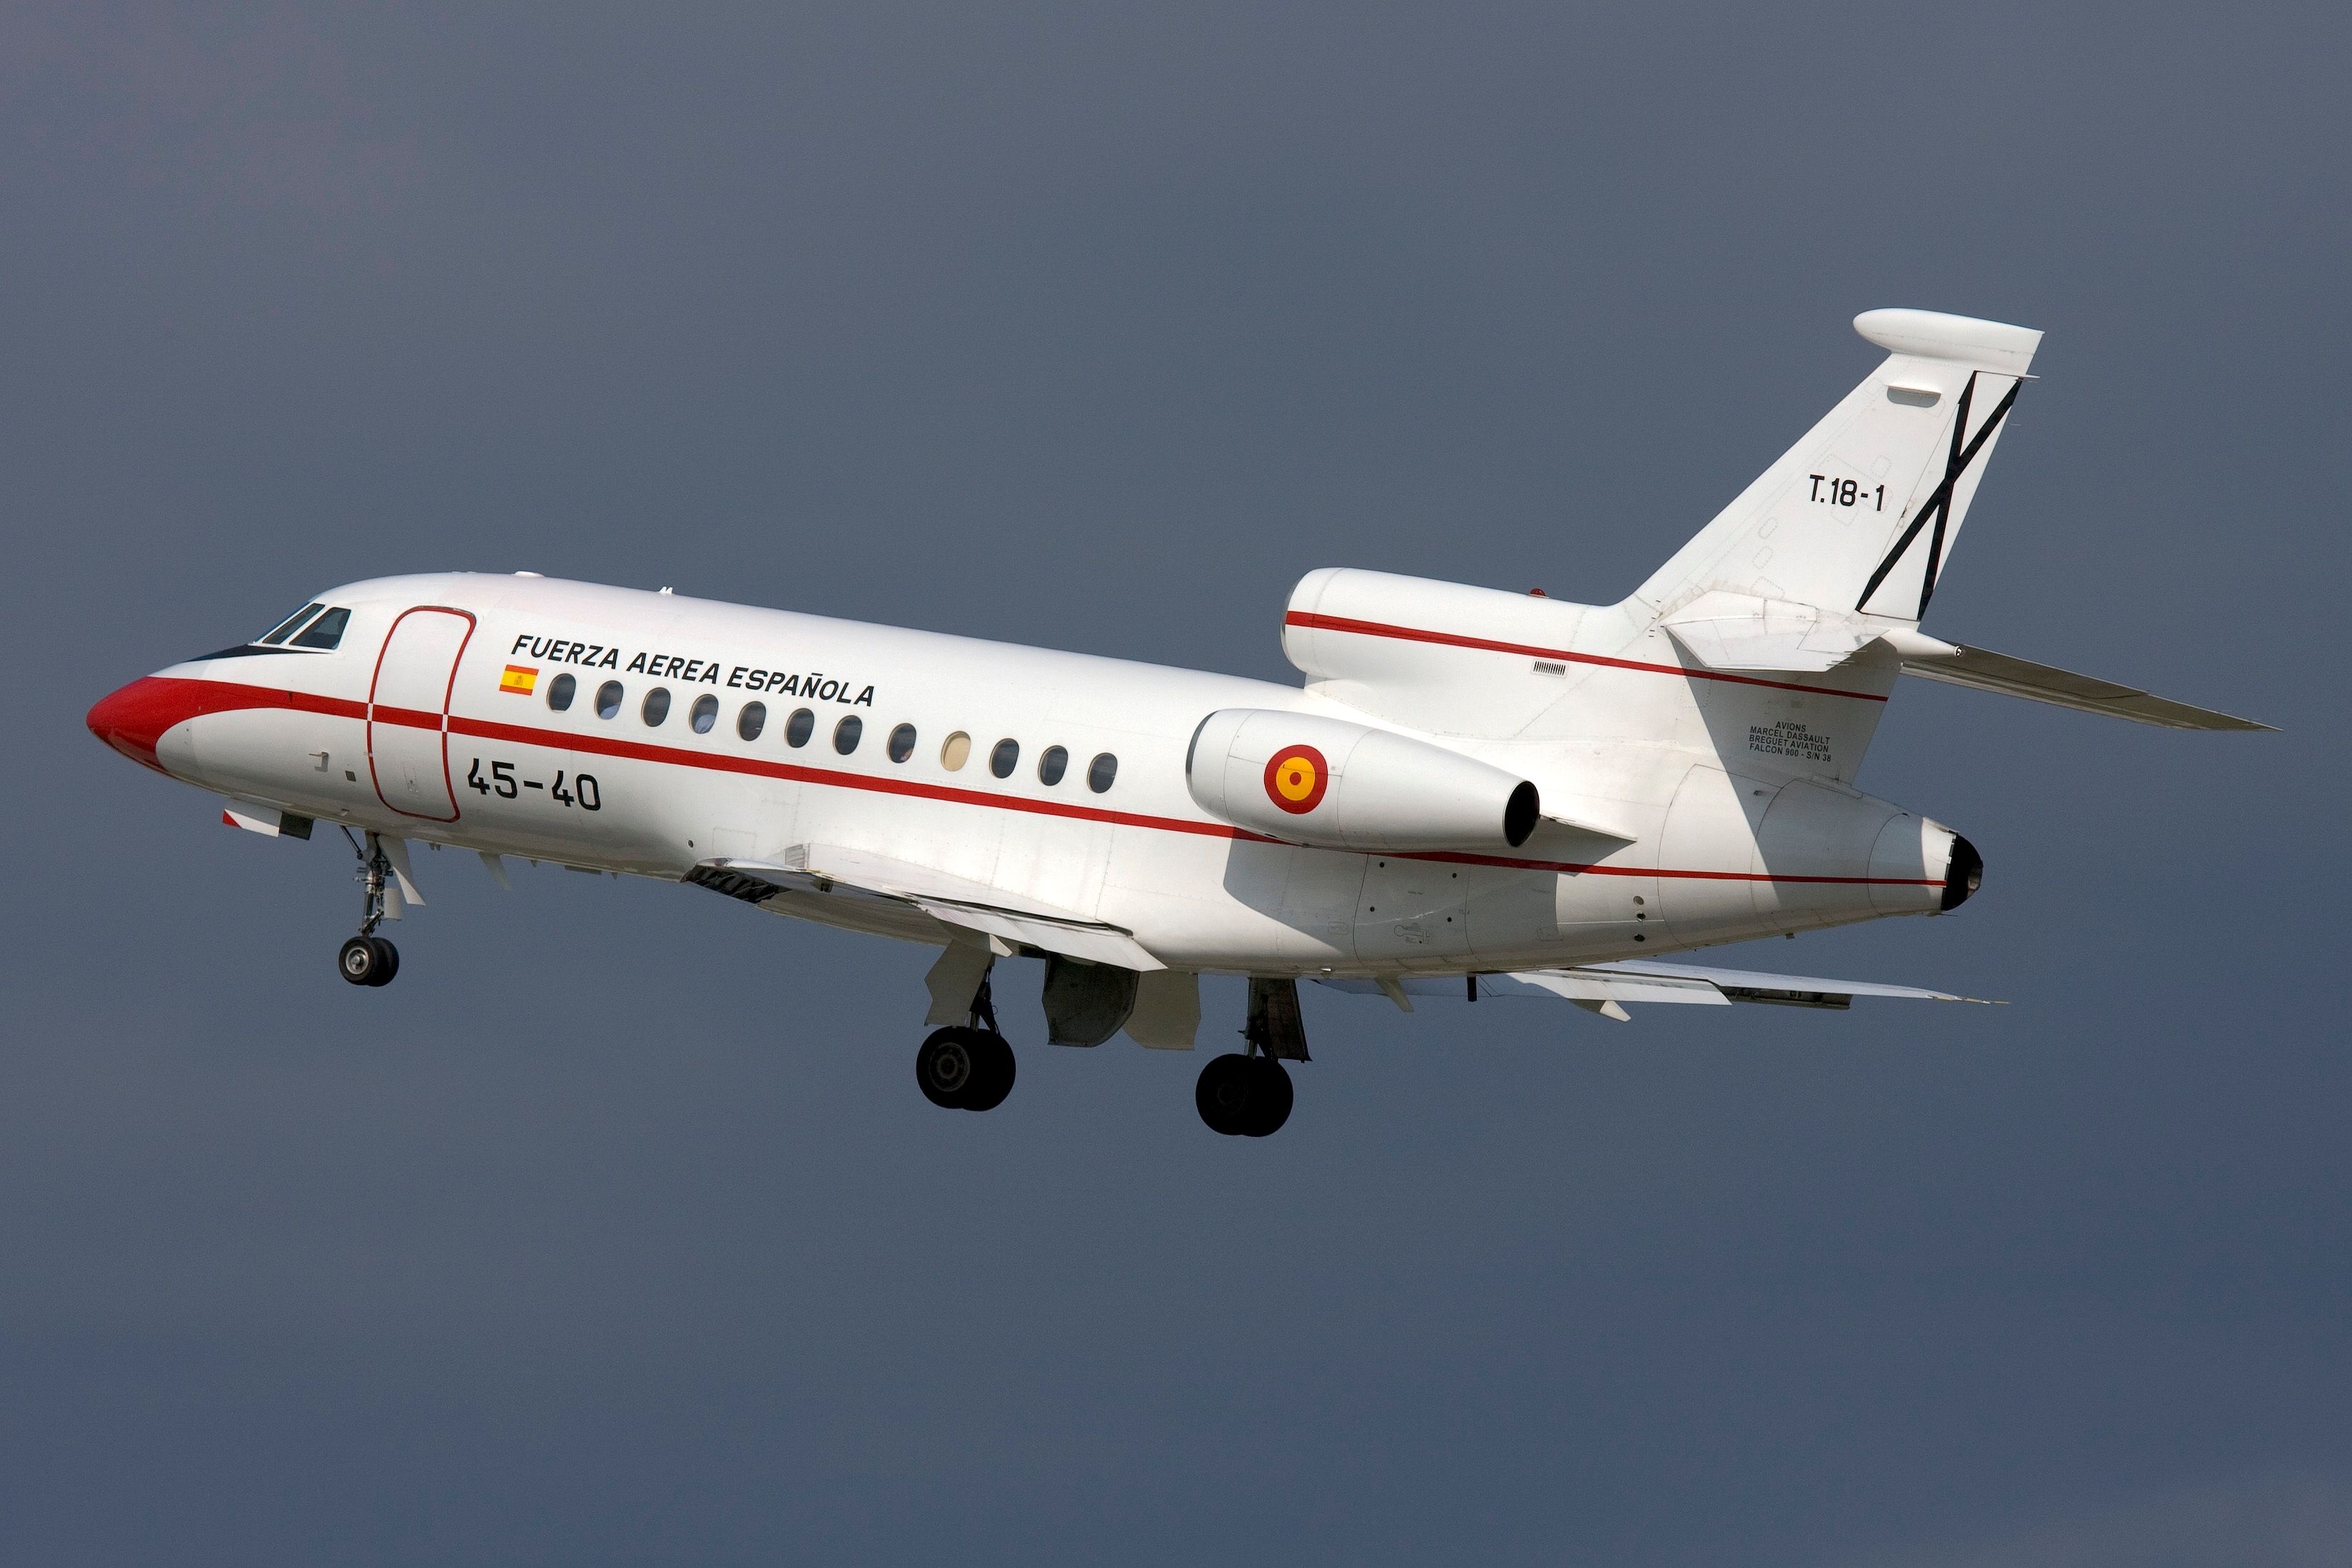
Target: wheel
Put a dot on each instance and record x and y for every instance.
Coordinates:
(359, 962)
(993, 1066)
(946, 1066)
(1243, 1096)
(1222, 1094)
(387, 962)
(1270, 1096)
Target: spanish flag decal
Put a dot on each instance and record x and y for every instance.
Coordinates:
(1297, 778)
(519, 679)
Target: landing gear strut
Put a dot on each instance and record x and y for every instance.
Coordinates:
(368, 959)
(968, 1066)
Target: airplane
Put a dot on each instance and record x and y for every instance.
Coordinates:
(1475, 793)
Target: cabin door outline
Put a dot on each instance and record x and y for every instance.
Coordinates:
(408, 711)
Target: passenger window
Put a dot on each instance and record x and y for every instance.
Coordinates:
(1005, 758)
(325, 632)
(1100, 772)
(902, 743)
(559, 692)
(655, 708)
(752, 720)
(285, 628)
(1053, 765)
(608, 700)
(845, 734)
(705, 713)
(956, 752)
(799, 727)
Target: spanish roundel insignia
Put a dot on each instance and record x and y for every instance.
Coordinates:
(519, 679)
(1297, 778)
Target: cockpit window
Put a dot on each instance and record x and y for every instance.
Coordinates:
(285, 628)
(326, 630)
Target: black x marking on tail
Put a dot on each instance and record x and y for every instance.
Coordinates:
(1939, 505)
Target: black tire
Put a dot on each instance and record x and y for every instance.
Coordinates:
(359, 962)
(1270, 1097)
(1223, 1093)
(387, 962)
(946, 1066)
(993, 1081)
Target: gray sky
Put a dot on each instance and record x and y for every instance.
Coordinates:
(616, 1230)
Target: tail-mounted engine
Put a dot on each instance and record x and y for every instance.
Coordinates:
(1335, 785)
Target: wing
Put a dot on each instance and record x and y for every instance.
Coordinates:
(1605, 988)
(826, 871)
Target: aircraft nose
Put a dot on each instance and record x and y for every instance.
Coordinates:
(133, 718)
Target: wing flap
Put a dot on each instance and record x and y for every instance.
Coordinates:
(829, 871)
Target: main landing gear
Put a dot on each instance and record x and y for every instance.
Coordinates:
(368, 959)
(1246, 1093)
(967, 1067)
(1243, 1096)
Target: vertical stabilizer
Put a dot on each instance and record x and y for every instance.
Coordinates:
(1860, 515)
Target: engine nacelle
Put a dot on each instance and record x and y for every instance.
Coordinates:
(1324, 782)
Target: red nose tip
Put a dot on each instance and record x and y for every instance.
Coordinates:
(133, 719)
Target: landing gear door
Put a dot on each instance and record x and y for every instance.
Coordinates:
(408, 712)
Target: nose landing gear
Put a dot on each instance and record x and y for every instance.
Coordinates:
(368, 959)
(967, 1067)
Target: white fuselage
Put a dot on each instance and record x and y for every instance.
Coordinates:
(1681, 828)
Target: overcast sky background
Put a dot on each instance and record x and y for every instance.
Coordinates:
(616, 1230)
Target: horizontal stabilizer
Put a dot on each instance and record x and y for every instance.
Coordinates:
(1956, 666)
(1605, 988)
(1741, 632)
(974, 906)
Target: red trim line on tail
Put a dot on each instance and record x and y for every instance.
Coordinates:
(1454, 640)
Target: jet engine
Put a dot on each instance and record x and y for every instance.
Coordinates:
(1324, 782)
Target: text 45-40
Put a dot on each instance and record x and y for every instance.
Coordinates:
(500, 781)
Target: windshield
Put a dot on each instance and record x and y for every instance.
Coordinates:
(285, 628)
(325, 632)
